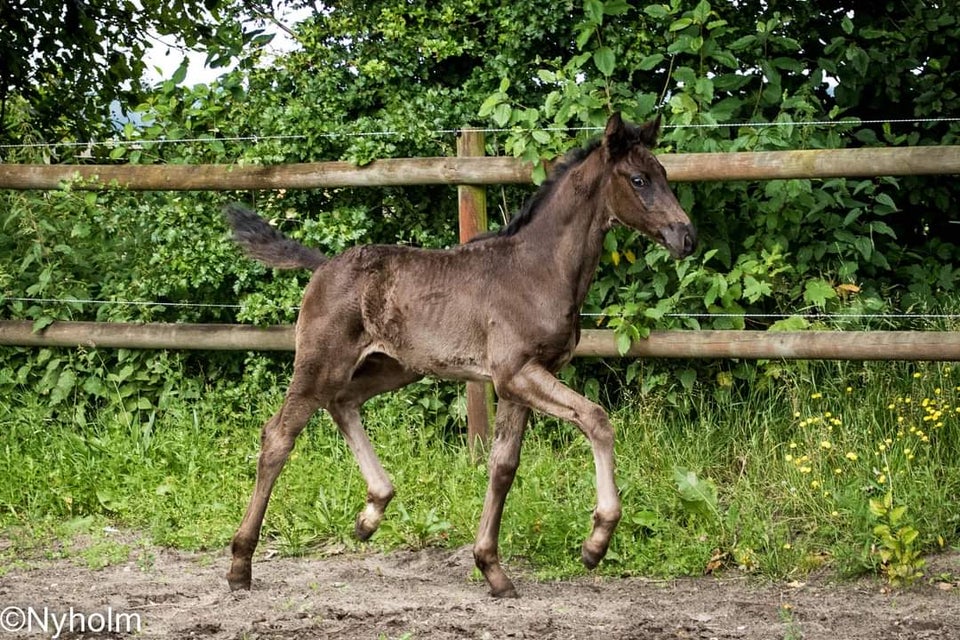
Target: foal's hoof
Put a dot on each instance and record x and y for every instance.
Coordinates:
(361, 531)
(239, 575)
(590, 556)
(505, 592)
(238, 584)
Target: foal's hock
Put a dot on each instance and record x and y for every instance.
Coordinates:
(503, 308)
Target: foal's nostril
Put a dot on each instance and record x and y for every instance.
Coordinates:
(680, 238)
(689, 239)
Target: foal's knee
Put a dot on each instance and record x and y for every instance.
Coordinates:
(596, 425)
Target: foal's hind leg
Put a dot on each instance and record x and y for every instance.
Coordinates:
(276, 441)
(377, 374)
(503, 463)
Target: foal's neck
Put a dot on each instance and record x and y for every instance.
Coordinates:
(566, 235)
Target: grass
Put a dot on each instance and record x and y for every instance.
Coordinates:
(796, 470)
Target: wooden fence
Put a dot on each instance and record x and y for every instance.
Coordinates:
(712, 344)
(469, 170)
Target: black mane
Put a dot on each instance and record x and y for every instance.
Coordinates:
(532, 205)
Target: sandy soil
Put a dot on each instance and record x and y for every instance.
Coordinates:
(431, 594)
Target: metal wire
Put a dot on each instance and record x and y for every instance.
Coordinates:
(438, 132)
(743, 316)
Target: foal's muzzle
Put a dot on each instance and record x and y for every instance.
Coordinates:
(680, 239)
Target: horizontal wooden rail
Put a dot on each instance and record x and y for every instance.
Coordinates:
(690, 167)
(786, 345)
(789, 345)
(156, 335)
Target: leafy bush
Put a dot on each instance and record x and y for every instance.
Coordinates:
(726, 78)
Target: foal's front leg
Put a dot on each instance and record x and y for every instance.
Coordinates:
(379, 487)
(503, 462)
(536, 387)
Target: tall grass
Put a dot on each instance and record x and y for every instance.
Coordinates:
(788, 474)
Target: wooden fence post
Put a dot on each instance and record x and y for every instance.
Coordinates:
(473, 220)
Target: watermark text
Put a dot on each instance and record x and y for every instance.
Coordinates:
(53, 622)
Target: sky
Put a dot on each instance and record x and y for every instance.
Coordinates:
(164, 57)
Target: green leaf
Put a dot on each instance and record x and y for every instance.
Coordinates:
(584, 36)
(547, 76)
(701, 12)
(793, 323)
(725, 58)
(181, 73)
(887, 202)
(896, 514)
(817, 292)
(616, 7)
(591, 389)
(605, 59)
(65, 384)
(743, 43)
(490, 104)
(656, 10)
(42, 323)
(908, 535)
(697, 496)
(593, 9)
(651, 61)
(882, 228)
(501, 114)
(623, 343)
(539, 173)
(541, 136)
(681, 24)
(646, 519)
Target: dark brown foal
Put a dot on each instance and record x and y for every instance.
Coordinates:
(503, 308)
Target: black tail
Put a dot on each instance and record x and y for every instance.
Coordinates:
(262, 242)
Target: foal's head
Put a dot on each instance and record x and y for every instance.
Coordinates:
(636, 190)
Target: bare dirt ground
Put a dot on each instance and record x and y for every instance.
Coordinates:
(431, 594)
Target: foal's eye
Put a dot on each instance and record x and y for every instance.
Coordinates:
(638, 181)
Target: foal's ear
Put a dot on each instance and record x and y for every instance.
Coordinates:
(618, 137)
(649, 132)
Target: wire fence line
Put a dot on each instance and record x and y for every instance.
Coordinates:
(255, 139)
(805, 315)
